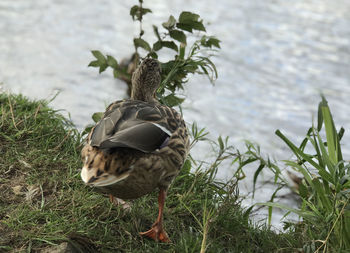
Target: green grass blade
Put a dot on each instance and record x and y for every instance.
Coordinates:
(324, 200)
(302, 170)
(331, 136)
(314, 210)
(317, 148)
(296, 150)
(341, 133)
(271, 201)
(304, 142)
(319, 117)
(304, 214)
(333, 144)
(322, 171)
(257, 172)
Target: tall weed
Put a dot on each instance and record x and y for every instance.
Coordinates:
(325, 188)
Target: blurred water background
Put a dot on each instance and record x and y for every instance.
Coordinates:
(276, 58)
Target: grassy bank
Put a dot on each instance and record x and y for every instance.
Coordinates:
(44, 202)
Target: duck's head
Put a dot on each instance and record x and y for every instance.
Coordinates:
(145, 80)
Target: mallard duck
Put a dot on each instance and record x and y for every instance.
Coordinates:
(138, 145)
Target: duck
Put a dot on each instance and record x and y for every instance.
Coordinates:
(138, 146)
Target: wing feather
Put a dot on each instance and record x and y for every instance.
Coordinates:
(135, 125)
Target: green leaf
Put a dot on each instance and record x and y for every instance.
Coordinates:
(207, 63)
(189, 21)
(172, 100)
(136, 12)
(95, 63)
(152, 55)
(157, 46)
(178, 35)
(145, 11)
(246, 214)
(97, 116)
(256, 174)
(99, 56)
(221, 143)
(138, 42)
(325, 159)
(303, 191)
(100, 62)
(297, 151)
(133, 11)
(304, 142)
(188, 17)
(185, 27)
(215, 42)
(116, 73)
(156, 32)
(318, 148)
(341, 133)
(103, 67)
(170, 24)
(191, 26)
(210, 41)
(170, 44)
(271, 200)
(323, 198)
(191, 67)
(334, 149)
(198, 26)
(319, 117)
(247, 161)
(112, 62)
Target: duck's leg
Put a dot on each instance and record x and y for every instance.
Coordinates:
(157, 232)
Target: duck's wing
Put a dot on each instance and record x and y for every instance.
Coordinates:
(131, 124)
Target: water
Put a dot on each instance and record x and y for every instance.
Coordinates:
(276, 57)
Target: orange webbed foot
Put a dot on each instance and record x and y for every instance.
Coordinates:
(157, 233)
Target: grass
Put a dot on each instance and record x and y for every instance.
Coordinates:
(44, 202)
(325, 186)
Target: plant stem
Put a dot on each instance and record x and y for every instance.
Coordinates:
(205, 232)
(140, 19)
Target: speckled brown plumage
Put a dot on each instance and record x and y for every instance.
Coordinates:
(148, 169)
(139, 145)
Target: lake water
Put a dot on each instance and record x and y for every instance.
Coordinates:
(276, 58)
